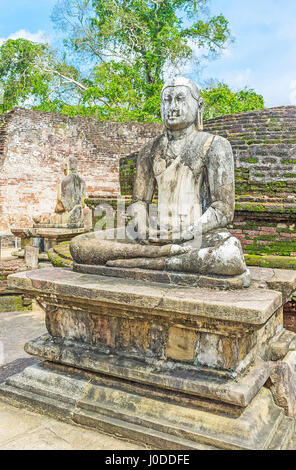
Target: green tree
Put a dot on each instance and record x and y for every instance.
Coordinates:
(131, 44)
(220, 100)
(31, 74)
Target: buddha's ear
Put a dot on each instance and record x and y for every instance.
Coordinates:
(200, 110)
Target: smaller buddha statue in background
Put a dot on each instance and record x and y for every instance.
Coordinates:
(70, 200)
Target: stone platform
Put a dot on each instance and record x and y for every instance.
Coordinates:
(51, 235)
(172, 366)
(168, 277)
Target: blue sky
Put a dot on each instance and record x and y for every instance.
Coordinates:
(263, 56)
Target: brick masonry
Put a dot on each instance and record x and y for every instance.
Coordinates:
(9, 267)
(33, 145)
(264, 145)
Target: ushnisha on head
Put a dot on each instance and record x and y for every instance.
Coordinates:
(70, 165)
(181, 104)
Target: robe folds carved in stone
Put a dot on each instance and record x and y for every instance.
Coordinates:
(197, 187)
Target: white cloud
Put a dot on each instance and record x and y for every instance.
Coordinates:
(24, 34)
(240, 78)
(227, 52)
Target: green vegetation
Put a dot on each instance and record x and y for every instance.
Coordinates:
(13, 303)
(221, 100)
(128, 46)
(271, 261)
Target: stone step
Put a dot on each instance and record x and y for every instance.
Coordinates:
(285, 432)
(95, 402)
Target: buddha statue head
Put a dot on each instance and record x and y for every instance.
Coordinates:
(181, 104)
(70, 165)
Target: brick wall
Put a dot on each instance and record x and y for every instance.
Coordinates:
(290, 315)
(264, 145)
(33, 145)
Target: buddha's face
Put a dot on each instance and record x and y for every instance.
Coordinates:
(179, 108)
(65, 168)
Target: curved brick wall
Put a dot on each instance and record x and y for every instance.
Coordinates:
(264, 146)
(34, 143)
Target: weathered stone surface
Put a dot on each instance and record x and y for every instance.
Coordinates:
(193, 172)
(31, 257)
(135, 320)
(197, 381)
(245, 307)
(281, 344)
(282, 280)
(70, 200)
(168, 277)
(282, 383)
(181, 344)
(178, 367)
(108, 405)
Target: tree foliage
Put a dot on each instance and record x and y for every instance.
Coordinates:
(31, 74)
(133, 44)
(122, 51)
(220, 100)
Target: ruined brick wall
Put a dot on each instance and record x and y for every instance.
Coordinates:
(33, 145)
(290, 315)
(264, 145)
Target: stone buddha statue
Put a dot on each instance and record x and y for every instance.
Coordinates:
(193, 173)
(70, 200)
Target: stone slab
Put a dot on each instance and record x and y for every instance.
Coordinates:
(89, 400)
(283, 280)
(47, 232)
(25, 430)
(253, 306)
(31, 257)
(168, 277)
(196, 381)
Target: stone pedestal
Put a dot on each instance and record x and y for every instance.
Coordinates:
(31, 257)
(51, 235)
(171, 366)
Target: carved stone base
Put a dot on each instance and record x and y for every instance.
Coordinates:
(51, 234)
(168, 277)
(176, 367)
(159, 419)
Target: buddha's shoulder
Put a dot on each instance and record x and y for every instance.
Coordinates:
(215, 140)
(153, 146)
(160, 139)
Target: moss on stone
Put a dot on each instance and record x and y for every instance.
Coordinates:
(287, 161)
(271, 261)
(60, 256)
(251, 160)
(289, 175)
(250, 207)
(13, 303)
(278, 248)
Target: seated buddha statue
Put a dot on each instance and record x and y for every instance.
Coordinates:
(193, 173)
(70, 200)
